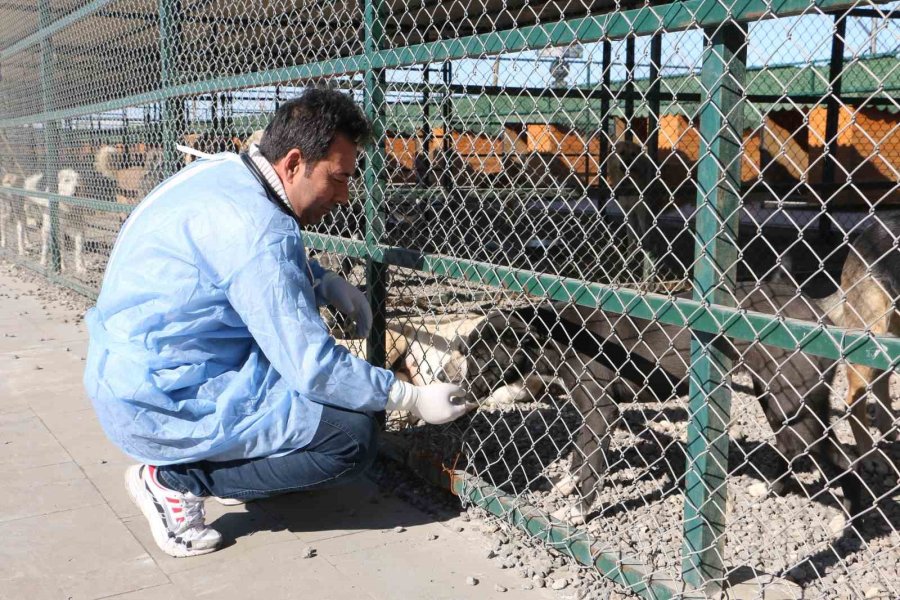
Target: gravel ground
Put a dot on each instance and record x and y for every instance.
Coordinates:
(801, 536)
(47, 292)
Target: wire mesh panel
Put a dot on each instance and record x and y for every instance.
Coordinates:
(655, 242)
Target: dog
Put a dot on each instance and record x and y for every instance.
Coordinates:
(69, 183)
(8, 204)
(254, 138)
(605, 360)
(134, 179)
(869, 299)
(91, 176)
(86, 179)
(10, 207)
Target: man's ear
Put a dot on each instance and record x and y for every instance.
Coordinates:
(292, 163)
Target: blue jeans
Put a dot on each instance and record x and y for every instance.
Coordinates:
(343, 447)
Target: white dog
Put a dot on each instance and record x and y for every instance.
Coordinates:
(68, 180)
(43, 205)
(7, 202)
(67, 184)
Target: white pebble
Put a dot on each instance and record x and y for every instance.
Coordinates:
(399, 529)
(559, 584)
(836, 525)
(499, 588)
(758, 490)
(527, 586)
(471, 581)
(308, 552)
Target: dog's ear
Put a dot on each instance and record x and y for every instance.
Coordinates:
(514, 345)
(485, 334)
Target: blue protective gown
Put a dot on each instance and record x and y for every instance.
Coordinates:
(206, 341)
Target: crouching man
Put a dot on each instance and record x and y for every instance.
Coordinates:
(208, 361)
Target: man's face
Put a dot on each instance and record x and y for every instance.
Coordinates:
(316, 193)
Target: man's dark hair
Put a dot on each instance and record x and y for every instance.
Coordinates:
(310, 122)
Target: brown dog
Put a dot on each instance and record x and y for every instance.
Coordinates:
(869, 299)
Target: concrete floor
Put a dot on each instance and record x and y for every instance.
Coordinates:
(69, 531)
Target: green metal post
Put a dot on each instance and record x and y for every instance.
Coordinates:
(648, 260)
(605, 85)
(718, 186)
(446, 116)
(376, 271)
(51, 136)
(629, 88)
(427, 131)
(173, 110)
(636, 237)
(832, 112)
(653, 99)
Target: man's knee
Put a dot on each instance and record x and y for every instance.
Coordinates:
(355, 442)
(367, 449)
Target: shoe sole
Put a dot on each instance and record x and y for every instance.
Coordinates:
(141, 498)
(229, 501)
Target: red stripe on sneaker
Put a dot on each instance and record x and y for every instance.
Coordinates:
(152, 471)
(173, 500)
(176, 509)
(180, 519)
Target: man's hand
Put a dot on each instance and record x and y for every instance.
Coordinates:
(436, 403)
(349, 300)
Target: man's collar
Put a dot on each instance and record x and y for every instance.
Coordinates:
(268, 171)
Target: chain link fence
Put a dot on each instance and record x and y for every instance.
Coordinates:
(657, 243)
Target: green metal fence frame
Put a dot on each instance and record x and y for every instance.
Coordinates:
(708, 314)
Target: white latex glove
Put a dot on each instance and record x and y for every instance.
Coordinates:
(436, 403)
(349, 300)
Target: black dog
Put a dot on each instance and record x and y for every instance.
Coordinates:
(604, 360)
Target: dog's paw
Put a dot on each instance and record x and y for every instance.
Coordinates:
(573, 514)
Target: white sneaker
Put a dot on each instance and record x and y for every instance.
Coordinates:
(176, 520)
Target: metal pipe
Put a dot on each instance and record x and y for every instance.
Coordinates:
(446, 123)
(653, 101)
(715, 273)
(605, 95)
(376, 270)
(173, 117)
(51, 139)
(833, 104)
(629, 88)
